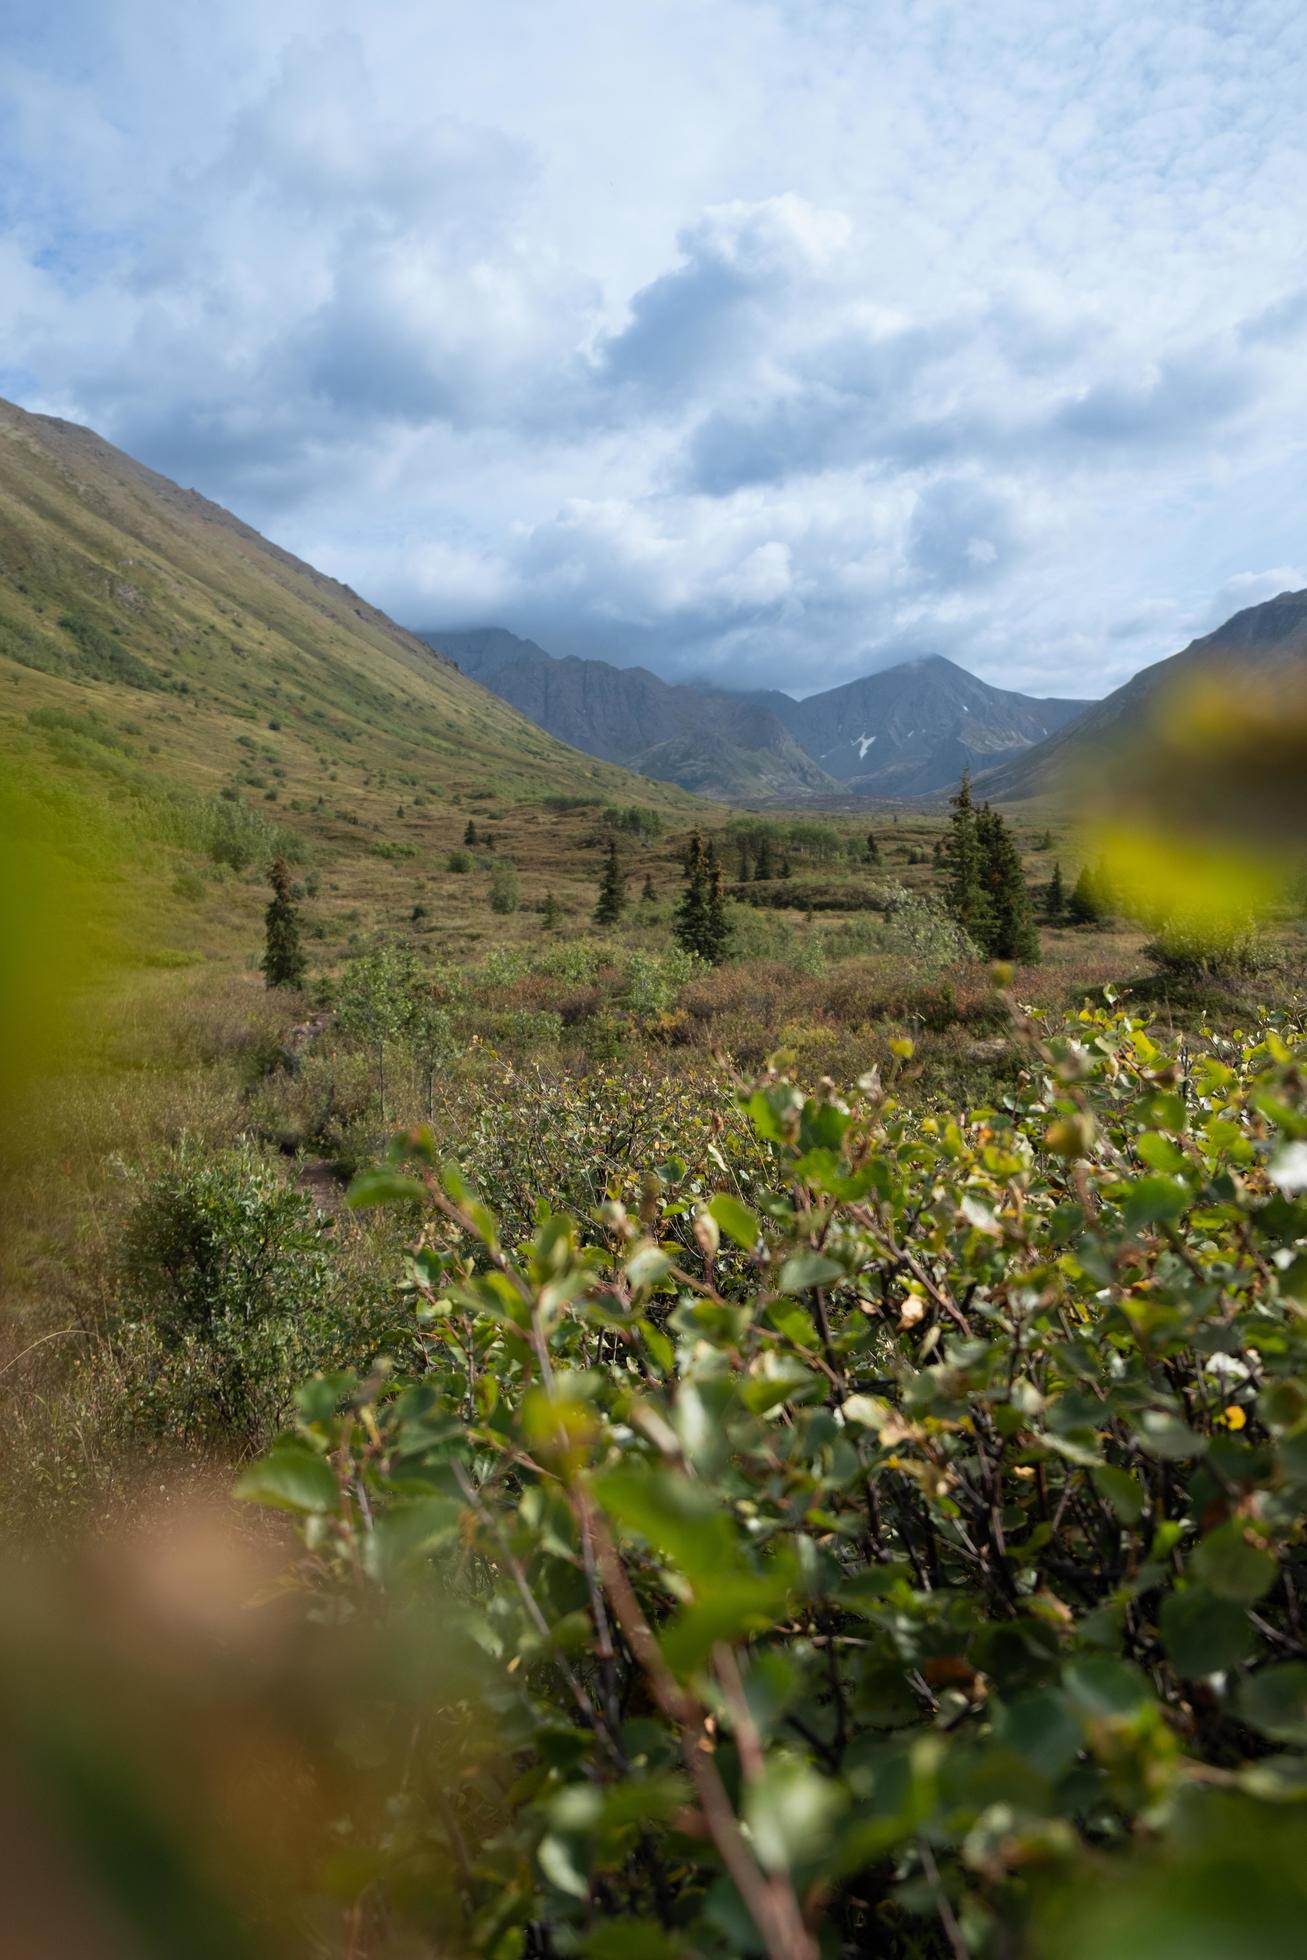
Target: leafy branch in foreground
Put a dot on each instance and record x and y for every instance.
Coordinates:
(869, 1555)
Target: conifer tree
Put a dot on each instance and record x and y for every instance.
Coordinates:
(1055, 895)
(1011, 932)
(964, 894)
(283, 959)
(1089, 902)
(873, 848)
(612, 889)
(718, 933)
(700, 923)
(763, 867)
(551, 912)
(690, 923)
(649, 893)
(746, 863)
(470, 834)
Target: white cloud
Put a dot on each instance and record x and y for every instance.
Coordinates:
(773, 341)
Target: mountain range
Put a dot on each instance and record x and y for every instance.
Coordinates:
(715, 743)
(232, 669)
(908, 731)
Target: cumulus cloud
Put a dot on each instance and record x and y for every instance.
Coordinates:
(774, 343)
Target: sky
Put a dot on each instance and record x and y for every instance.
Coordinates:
(764, 340)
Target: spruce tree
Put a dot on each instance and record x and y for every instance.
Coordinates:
(964, 894)
(1055, 895)
(649, 893)
(1011, 933)
(283, 959)
(873, 848)
(719, 933)
(691, 928)
(763, 866)
(470, 834)
(551, 912)
(612, 889)
(1088, 902)
(746, 863)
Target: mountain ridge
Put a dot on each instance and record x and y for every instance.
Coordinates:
(715, 742)
(1268, 640)
(908, 731)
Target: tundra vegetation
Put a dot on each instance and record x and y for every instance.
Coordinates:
(755, 1429)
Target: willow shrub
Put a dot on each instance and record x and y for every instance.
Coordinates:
(884, 1539)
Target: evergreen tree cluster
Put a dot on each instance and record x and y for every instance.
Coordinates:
(700, 924)
(985, 887)
(762, 864)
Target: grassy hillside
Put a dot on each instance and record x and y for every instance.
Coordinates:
(158, 654)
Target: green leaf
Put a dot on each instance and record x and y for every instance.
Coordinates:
(805, 1269)
(410, 1531)
(291, 1477)
(1232, 1567)
(1042, 1730)
(1122, 1490)
(1274, 1700)
(733, 1608)
(678, 1516)
(1203, 1634)
(1103, 1687)
(735, 1219)
(647, 1266)
(790, 1811)
(1155, 1201)
(1159, 1153)
(384, 1186)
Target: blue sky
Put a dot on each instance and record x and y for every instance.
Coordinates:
(766, 341)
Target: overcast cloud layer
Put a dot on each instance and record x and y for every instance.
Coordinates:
(769, 341)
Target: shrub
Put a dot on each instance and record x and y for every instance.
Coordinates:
(228, 1268)
(859, 1524)
(653, 980)
(505, 888)
(1188, 950)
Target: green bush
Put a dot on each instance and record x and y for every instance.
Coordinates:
(850, 1523)
(505, 888)
(1185, 950)
(227, 1268)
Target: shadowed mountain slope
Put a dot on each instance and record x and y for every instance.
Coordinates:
(1265, 643)
(716, 743)
(909, 731)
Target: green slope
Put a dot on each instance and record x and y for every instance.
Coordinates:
(159, 655)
